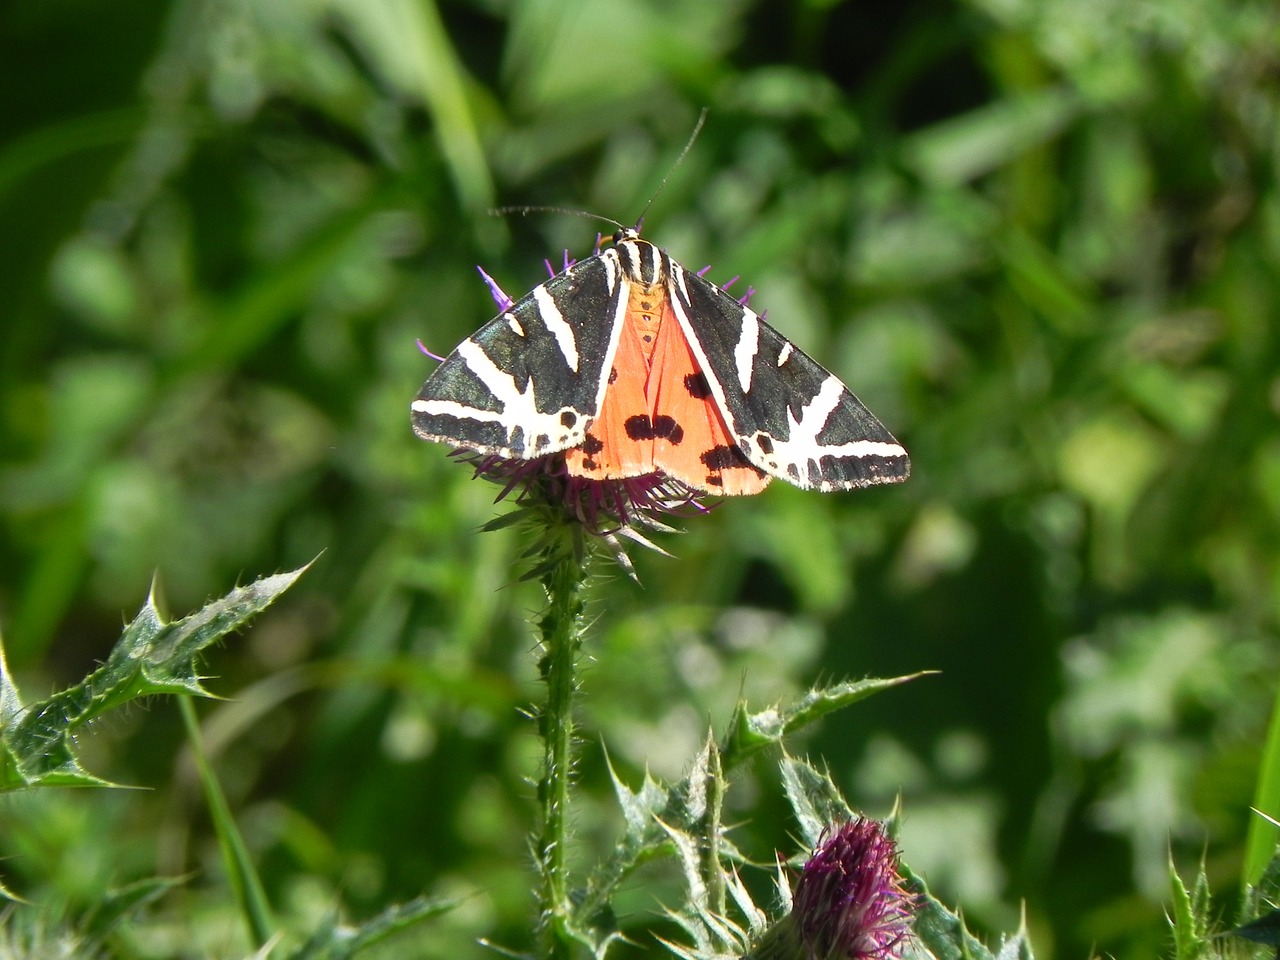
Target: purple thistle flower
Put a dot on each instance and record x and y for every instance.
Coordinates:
(499, 297)
(744, 299)
(849, 903)
(601, 507)
(427, 350)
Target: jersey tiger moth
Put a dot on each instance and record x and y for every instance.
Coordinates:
(630, 365)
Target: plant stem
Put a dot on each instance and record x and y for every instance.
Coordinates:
(712, 870)
(561, 628)
(241, 873)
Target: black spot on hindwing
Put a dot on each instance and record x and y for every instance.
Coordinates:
(696, 384)
(666, 427)
(590, 447)
(640, 427)
(724, 457)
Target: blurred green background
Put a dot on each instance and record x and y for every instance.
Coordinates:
(1039, 239)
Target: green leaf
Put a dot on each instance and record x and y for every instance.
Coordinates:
(120, 904)
(1260, 843)
(1264, 893)
(1189, 915)
(335, 941)
(153, 656)
(684, 819)
(10, 699)
(752, 732)
(643, 839)
(413, 47)
(959, 149)
(815, 799)
(1266, 929)
(688, 852)
(639, 808)
(943, 933)
(681, 819)
(1017, 947)
(246, 885)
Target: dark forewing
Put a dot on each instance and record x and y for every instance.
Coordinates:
(526, 383)
(792, 418)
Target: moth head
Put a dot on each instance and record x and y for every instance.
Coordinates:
(626, 233)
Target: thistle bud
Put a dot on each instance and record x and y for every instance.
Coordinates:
(849, 903)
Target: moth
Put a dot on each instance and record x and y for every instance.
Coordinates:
(628, 364)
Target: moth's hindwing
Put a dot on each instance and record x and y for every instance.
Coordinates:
(528, 382)
(658, 414)
(791, 417)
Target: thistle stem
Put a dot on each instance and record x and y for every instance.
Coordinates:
(561, 628)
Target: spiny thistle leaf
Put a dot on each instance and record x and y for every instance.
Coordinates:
(1259, 920)
(1266, 929)
(942, 933)
(712, 937)
(679, 819)
(153, 656)
(1189, 917)
(639, 809)
(751, 732)
(715, 936)
(10, 699)
(643, 839)
(688, 849)
(816, 801)
(1017, 947)
(695, 784)
(1264, 894)
(662, 821)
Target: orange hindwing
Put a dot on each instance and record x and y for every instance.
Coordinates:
(658, 413)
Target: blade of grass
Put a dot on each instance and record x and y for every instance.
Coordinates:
(444, 87)
(50, 143)
(245, 883)
(1260, 844)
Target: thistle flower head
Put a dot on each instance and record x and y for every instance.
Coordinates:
(601, 507)
(849, 901)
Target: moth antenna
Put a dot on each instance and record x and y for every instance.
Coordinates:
(697, 129)
(525, 211)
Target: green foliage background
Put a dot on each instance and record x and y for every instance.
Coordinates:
(1038, 237)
